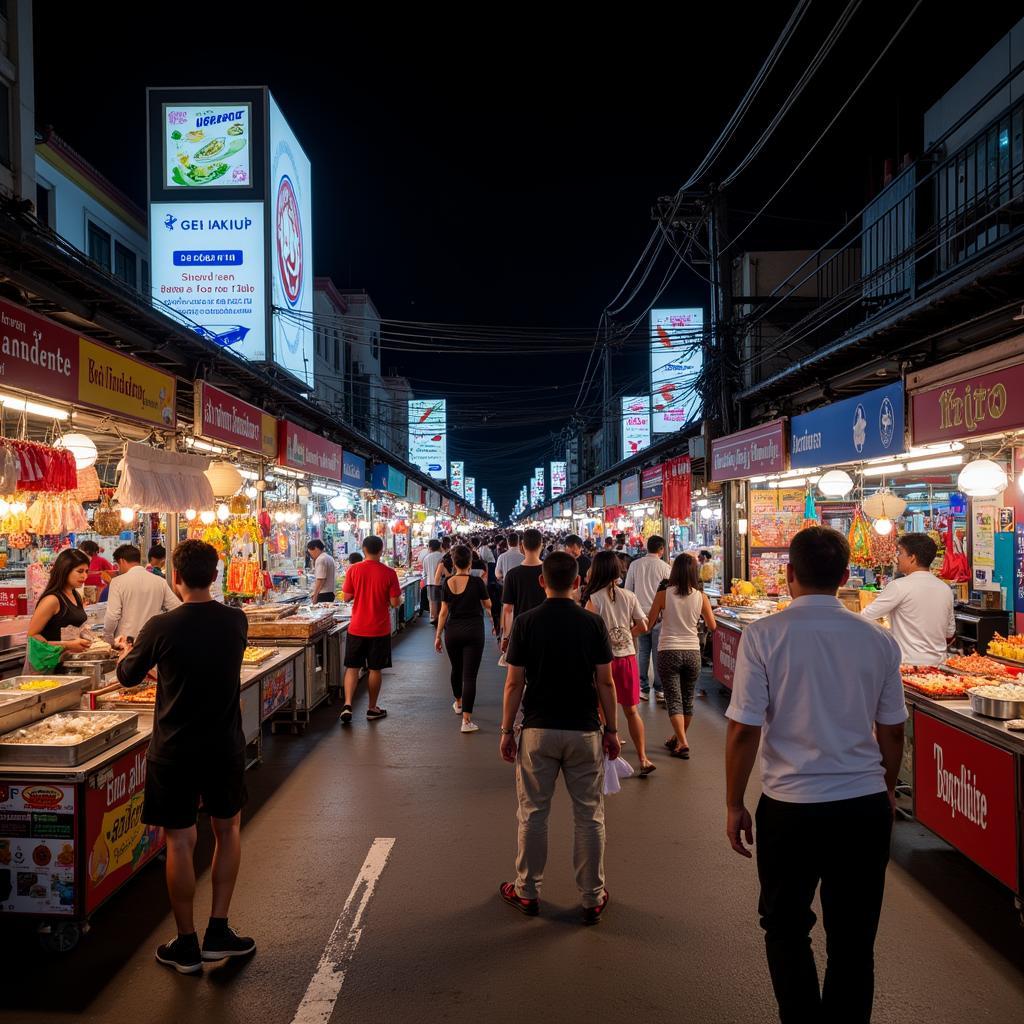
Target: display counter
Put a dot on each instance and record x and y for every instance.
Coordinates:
(410, 600)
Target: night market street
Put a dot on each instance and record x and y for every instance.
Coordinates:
(680, 940)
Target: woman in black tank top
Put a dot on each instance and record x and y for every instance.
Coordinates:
(60, 606)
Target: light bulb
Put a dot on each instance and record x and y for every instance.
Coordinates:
(207, 517)
(251, 492)
(278, 517)
(291, 517)
(883, 527)
(127, 515)
(315, 519)
(190, 514)
(982, 478)
(4, 507)
(223, 512)
(19, 508)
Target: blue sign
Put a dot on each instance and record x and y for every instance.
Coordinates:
(869, 426)
(353, 470)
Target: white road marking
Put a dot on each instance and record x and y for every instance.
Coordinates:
(318, 1003)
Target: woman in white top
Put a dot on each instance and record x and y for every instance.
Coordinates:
(682, 602)
(625, 620)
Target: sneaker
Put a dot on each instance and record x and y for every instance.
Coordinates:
(346, 715)
(456, 707)
(219, 945)
(531, 908)
(470, 727)
(645, 694)
(375, 713)
(592, 915)
(182, 954)
(660, 697)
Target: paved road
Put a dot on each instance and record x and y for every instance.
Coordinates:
(680, 940)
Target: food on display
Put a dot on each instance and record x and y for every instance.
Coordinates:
(63, 730)
(255, 655)
(1016, 724)
(39, 685)
(999, 691)
(145, 695)
(977, 664)
(1009, 647)
(939, 684)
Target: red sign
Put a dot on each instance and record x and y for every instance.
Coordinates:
(965, 790)
(725, 645)
(758, 451)
(37, 354)
(9, 599)
(676, 483)
(221, 417)
(972, 407)
(303, 450)
(289, 241)
(117, 842)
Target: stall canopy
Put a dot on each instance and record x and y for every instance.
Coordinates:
(154, 480)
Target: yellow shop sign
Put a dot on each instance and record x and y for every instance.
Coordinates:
(119, 384)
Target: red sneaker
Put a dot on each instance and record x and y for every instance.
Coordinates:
(592, 915)
(531, 908)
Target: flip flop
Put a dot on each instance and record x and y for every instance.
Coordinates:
(683, 754)
(646, 770)
(671, 744)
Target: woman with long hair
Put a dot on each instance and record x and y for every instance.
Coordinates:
(463, 599)
(60, 606)
(682, 600)
(625, 620)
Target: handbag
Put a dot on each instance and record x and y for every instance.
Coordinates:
(43, 657)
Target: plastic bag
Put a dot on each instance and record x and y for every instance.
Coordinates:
(614, 772)
(43, 657)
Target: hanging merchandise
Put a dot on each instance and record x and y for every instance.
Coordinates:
(245, 578)
(239, 505)
(8, 470)
(14, 514)
(810, 511)
(883, 548)
(955, 568)
(53, 514)
(860, 542)
(88, 485)
(676, 482)
(107, 520)
(153, 480)
(244, 530)
(39, 467)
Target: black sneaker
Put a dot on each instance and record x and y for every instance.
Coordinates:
(182, 954)
(219, 945)
(375, 713)
(592, 915)
(346, 715)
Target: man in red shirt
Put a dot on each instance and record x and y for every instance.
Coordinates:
(374, 590)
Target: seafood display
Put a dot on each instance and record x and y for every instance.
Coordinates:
(977, 664)
(64, 730)
(1009, 647)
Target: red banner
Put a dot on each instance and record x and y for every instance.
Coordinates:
(965, 790)
(675, 495)
(308, 452)
(972, 407)
(116, 840)
(725, 645)
(758, 451)
(37, 354)
(222, 417)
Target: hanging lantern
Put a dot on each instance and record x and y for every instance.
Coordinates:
(207, 517)
(883, 504)
(836, 483)
(81, 447)
(224, 479)
(303, 491)
(982, 478)
(338, 502)
(127, 515)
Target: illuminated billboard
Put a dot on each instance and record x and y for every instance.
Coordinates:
(428, 436)
(636, 425)
(471, 490)
(558, 473)
(456, 474)
(677, 359)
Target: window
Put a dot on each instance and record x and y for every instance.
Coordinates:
(337, 355)
(5, 125)
(44, 204)
(124, 264)
(375, 345)
(99, 245)
(145, 282)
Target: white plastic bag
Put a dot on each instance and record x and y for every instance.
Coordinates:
(614, 772)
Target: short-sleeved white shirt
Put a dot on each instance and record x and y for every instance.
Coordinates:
(920, 610)
(817, 677)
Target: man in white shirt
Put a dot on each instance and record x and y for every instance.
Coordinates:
(135, 596)
(643, 578)
(919, 605)
(431, 560)
(824, 684)
(509, 559)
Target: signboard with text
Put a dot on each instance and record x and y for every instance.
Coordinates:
(758, 451)
(353, 470)
(221, 417)
(307, 452)
(558, 478)
(725, 646)
(117, 383)
(636, 425)
(988, 403)
(677, 359)
(651, 482)
(428, 436)
(456, 476)
(37, 354)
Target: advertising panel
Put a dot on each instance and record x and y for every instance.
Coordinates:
(456, 475)
(636, 425)
(758, 451)
(651, 481)
(396, 481)
(413, 492)
(207, 144)
(868, 426)
(538, 476)
(207, 266)
(988, 403)
(222, 417)
(277, 689)
(725, 646)
(579, 504)
(558, 476)
(118, 841)
(290, 251)
(307, 452)
(535, 494)
(471, 490)
(37, 354)
(353, 470)
(37, 848)
(631, 489)
(428, 435)
(611, 495)
(116, 383)
(677, 358)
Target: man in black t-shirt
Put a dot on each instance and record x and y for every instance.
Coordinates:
(561, 651)
(197, 751)
(521, 587)
(574, 545)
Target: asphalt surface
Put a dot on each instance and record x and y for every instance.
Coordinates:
(679, 941)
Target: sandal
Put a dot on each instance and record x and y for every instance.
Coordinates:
(683, 753)
(646, 770)
(671, 744)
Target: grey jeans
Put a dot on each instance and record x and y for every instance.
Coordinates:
(647, 654)
(679, 673)
(543, 753)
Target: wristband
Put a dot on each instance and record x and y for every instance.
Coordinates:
(506, 732)
(606, 729)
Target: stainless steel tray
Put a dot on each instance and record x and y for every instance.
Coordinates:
(41, 755)
(992, 707)
(65, 697)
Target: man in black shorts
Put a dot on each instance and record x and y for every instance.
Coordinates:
(197, 752)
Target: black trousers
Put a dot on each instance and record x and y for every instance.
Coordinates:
(844, 846)
(464, 641)
(494, 593)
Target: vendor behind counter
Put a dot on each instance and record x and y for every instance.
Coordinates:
(135, 596)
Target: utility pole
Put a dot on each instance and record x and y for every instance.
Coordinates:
(607, 459)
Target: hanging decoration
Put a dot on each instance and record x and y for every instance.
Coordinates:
(107, 520)
(955, 567)
(88, 485)
(36, 467)
(810, 511)
(860, 542)
(153, 480)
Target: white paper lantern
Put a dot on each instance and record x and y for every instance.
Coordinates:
(224, 479)
(883, 504)
(81, 447)
(706, 513)
(982, 478)
(338, 502)
(836, 483)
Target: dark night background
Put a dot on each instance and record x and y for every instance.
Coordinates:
(502, 171)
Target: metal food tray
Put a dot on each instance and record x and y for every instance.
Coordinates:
(40, 703)
(268, 653)
(51, 756)
(113, 702)
(994, 707)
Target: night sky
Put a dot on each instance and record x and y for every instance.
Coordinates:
(501, 171)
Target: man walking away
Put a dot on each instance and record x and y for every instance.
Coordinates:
(431, 560)
(324, 570)
(833, 742)
(508, 560)
(374, 590)
(643, 578)
(523, 588)
(574, 546)
(197, 752)
(560, 650)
